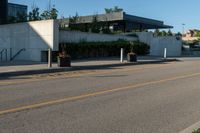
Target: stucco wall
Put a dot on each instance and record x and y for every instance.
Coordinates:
(34, 37)
(76, 36)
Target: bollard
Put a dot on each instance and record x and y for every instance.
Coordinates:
(165, 53)
(49, 57)
(122, 55)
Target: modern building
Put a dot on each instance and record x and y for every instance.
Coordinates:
(10, 11)
(115, 21)
(3, 11)
(15, 9)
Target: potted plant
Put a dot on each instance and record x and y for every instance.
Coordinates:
(64, 60)
(132, 57)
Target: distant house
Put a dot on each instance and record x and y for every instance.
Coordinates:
(191, 35)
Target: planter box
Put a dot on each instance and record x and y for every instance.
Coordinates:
(131, 57)
(64, 61)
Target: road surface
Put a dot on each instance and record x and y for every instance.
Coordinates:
(154, 98)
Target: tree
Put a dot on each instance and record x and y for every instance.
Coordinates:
(95, 25)
(157, 32)
(72, 22)
(179, 34)
(112, 10)
(34, 15)
(54, 13)
(73, 19)
(45, 15)
(197, 33)
(169, 33)
(163, 33)
(51, 13)
(21, 17)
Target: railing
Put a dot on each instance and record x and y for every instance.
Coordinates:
(12, 58)
(3, 52)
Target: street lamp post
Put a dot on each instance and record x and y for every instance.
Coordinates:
(183, 29)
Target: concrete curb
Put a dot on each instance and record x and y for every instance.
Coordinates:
(93, 67)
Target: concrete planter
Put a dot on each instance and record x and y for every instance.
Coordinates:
(64, 61)
(131, 57)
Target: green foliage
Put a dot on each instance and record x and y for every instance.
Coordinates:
(73, 23)
(196, 131)
(45, 15)
(112, 10)
(95, 27)
(21, 17)
(106, 30)
(157, 32)
(34, 15)
(192, 44)
(179, 34)
(163, 33)
(73, 19)
(52, 13)
(169, 33)
(103, 49)
(197, 34)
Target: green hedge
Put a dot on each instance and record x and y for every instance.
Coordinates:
(102, 49)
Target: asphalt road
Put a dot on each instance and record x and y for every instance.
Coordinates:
(156, 98)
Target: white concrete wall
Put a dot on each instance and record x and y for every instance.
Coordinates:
(34, 37)
(76, 36)
(145, 37)
(158, 44)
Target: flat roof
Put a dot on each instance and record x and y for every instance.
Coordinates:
(17, 5)
(122, 16)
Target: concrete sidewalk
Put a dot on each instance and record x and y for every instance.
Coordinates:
(18, 68)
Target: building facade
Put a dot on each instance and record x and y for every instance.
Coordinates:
(10, 12)
(3, 11)
(116, 21)
(17, 12)
(14, 9)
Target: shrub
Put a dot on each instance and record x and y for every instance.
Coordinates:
(196, 131)
(102, 49)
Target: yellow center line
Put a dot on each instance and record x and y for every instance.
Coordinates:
(35, 79)
(68, 99)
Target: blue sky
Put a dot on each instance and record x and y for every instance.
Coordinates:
(172, 12)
